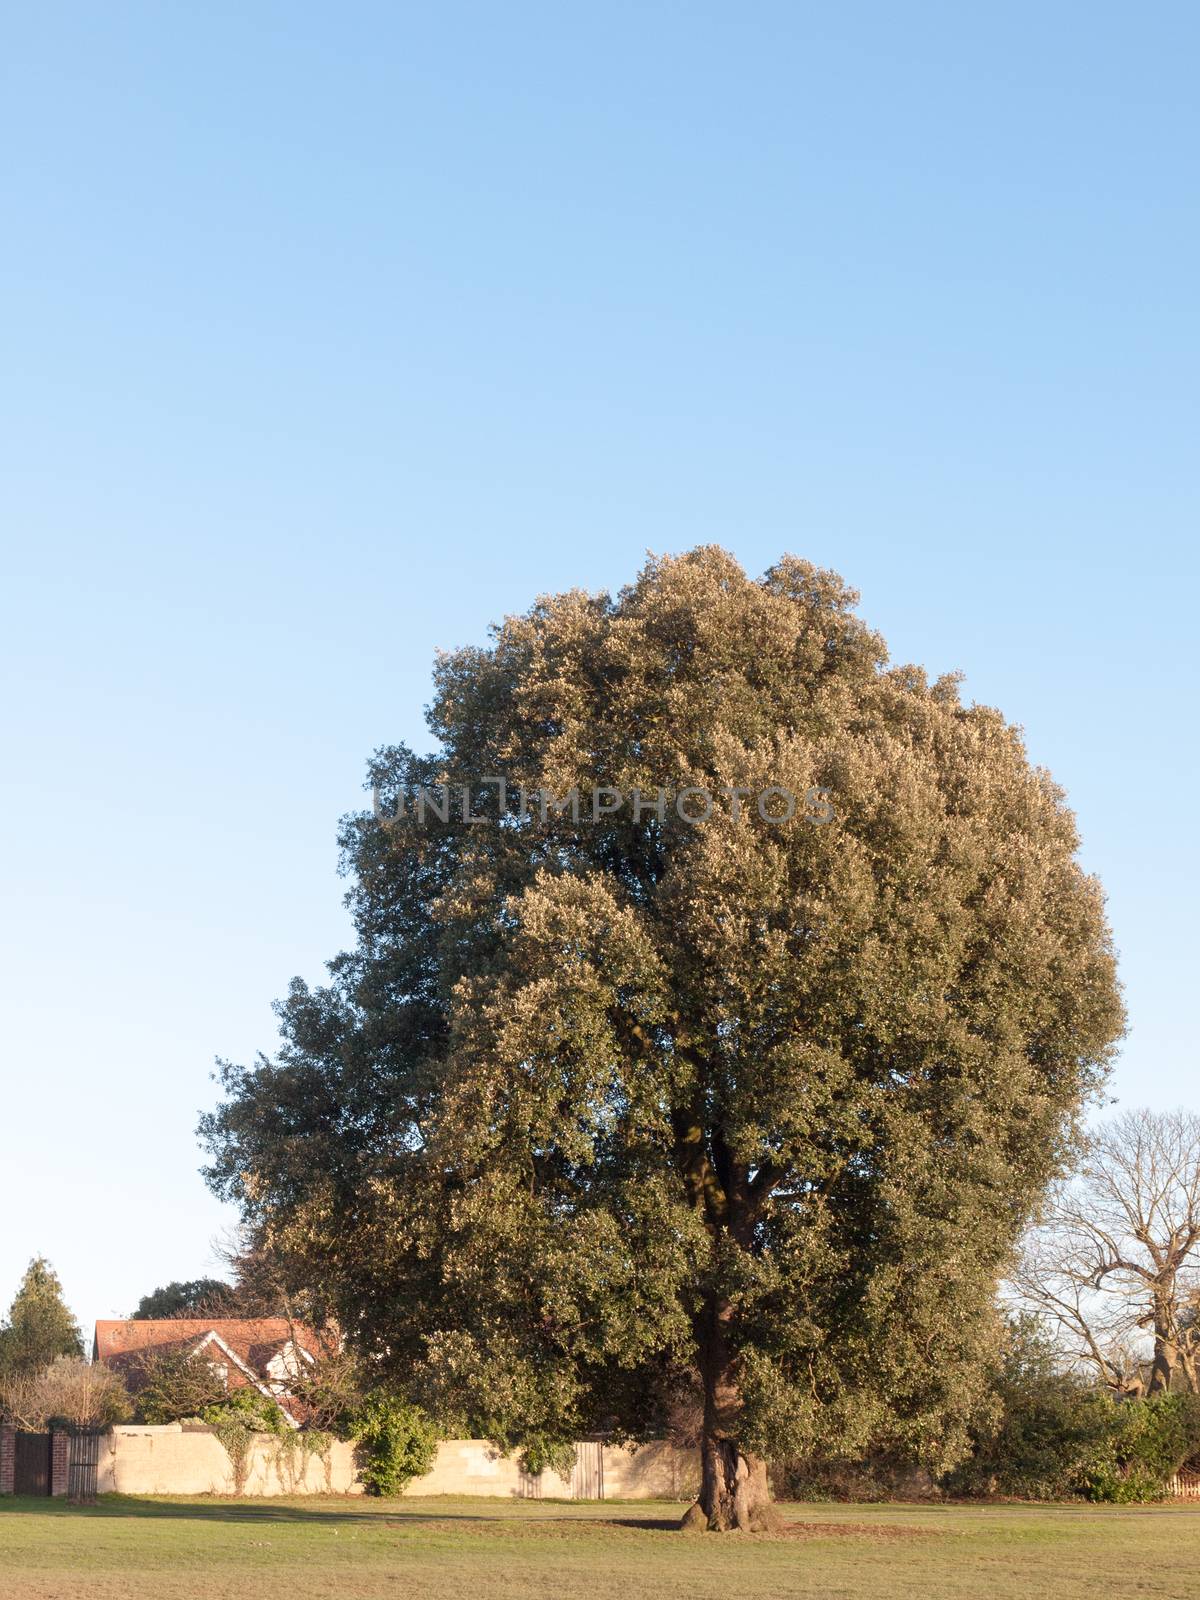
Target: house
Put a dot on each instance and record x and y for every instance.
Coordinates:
(267, 1353)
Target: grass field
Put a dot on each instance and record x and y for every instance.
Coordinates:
(450, 1549)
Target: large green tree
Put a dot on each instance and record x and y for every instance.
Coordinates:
(607, 1109)
(188, 1297)
(39, 1327)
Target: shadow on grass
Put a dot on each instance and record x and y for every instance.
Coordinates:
(372, 1513)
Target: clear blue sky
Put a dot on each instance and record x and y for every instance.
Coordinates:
(331, 334)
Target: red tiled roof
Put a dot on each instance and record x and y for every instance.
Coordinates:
(253, 1341)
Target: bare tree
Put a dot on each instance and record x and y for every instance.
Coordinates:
(1114, 1262)
(83, 1393)
(22, 1400)
(265, 1281)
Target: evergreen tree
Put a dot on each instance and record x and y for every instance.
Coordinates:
(192, 1297)
(39, 1327)
(613, 1105)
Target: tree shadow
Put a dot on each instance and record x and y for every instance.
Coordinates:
(349, 1511)
(267, 1510)
(644, 1524)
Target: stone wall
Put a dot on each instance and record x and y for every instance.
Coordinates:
(174, 1460)
(472, 1466)
(654, 1471)
(141, 1460)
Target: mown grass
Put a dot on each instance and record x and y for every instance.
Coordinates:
(459, 1549)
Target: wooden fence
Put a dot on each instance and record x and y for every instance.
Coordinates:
(84, 1468)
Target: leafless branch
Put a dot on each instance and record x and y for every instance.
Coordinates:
(1114, 1261)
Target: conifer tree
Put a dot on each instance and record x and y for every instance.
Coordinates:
(39, 1326)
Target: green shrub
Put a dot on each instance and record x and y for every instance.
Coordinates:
(397, 1442)
(1057, 1436)
(255, 1411)
(1147, 1444)
(870, 1478)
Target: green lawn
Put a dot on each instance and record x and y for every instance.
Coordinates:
(452, 1549)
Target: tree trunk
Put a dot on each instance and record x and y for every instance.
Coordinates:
(1162, 1369)
(734, 1492)
(1189, 1348)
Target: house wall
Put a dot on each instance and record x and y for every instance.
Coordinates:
(141, 1460)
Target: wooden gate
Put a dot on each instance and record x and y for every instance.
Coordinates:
(587, 1475)
(31, 1466)
(84, 1468)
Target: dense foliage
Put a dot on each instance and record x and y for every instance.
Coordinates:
(1054, 1435)
(1146, 1442)
(39, 1327)
(396, 1443)
(192, 1297)
(257, 1412)
(600, 1106)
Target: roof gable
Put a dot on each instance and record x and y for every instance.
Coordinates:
(245, 1335)
(250, 1344)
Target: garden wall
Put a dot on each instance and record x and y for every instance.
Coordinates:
(654, 1471)
(171, 1460)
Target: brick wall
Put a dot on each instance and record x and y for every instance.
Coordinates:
(60, 1460)
(8, 1458)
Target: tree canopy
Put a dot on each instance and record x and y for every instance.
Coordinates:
(609, 1104)
(191, 1297)
(39, 1326)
